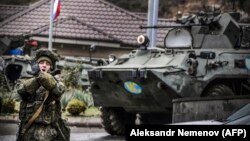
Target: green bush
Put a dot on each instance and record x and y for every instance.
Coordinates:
(84, 96)
(66, 97)
(8, 106)
(92, 111)
(70, 76)
(76, 94)
(75, 107)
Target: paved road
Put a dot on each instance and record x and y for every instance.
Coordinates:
(8, 133)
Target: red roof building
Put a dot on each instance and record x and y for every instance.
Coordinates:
(9, 10)
(82, 23)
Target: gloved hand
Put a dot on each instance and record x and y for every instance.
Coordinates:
(29, 86)
(47, 80)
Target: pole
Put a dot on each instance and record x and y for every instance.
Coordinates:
(51, 25)
(152, 21)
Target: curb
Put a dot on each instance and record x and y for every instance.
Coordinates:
(9, 119)
(84, 121)
(70, 121)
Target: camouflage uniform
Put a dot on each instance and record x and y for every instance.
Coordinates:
(48, 126)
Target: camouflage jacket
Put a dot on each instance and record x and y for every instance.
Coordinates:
(32, 95)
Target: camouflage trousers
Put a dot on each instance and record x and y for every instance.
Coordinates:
(44, 132)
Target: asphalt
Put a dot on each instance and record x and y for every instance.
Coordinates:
(78, 121)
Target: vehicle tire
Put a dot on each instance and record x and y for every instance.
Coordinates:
(114, 120)
(218, 90)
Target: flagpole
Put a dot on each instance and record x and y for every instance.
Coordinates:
(51, 25)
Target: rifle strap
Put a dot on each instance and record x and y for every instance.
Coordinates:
(34, 116)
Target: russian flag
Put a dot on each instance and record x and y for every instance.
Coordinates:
(56, 9)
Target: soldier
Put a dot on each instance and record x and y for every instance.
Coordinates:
(40, 109)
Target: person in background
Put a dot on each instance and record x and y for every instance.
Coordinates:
(40, 109)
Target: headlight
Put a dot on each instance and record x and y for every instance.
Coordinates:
(143, 40)
(111, 58)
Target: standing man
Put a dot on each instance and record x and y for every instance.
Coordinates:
(40, 109)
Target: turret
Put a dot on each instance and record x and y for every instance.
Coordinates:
(221, 31)
(206, 30)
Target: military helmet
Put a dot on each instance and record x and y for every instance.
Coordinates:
(45, 54)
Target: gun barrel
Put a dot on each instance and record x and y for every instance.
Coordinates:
(169, 26)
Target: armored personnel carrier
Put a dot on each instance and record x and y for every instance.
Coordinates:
(208, 55)
(15, 60)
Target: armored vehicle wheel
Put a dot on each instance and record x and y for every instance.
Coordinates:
(114, 120)
(219, 90)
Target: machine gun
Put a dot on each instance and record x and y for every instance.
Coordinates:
(200, 19)
(208, 30)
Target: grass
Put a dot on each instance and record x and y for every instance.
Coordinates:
(92, 111)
